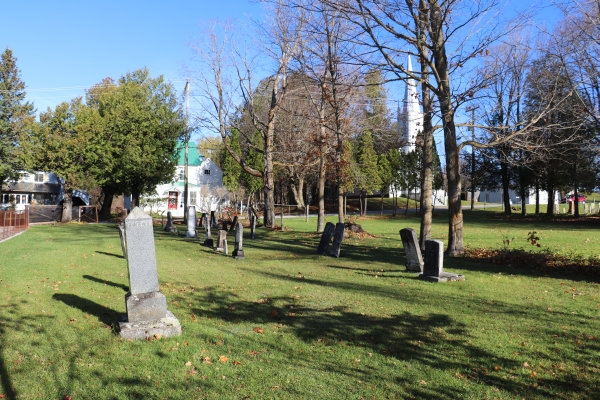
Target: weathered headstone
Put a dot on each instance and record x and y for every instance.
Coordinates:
(203, 220)
(414, 260)
(325, 238)
(252, 225)
(221, 237)
(213, 220)
(338, 237)
(224, 226)
(147, 313)
(208, 241)
(433, 269)
(233, 223)
(170, 227)
(238, 251)
(191, 223)
(123, 243)
(225, 250)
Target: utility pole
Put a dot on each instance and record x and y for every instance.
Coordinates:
(472, 129)
(186, 92)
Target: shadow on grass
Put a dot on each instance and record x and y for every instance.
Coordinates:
(105, 315)
(110, 254)
(105, 282)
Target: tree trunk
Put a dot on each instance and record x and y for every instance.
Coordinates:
(537, 197)
(107, 203)
(321, 214)
(135, 198)
(297, 192)
(427, 171)
(67, 208)
(504, 171)
(444, 93)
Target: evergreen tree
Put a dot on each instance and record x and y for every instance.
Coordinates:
(232, 171)
(367, 161)
(395, 160)
(15, 116)
(386, 176)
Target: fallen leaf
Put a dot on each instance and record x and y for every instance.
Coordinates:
(189, 363)
(206, 360)
(533, 374)
(72, 320)
(526, 364)
(235, 362)
(67, 397)
(157, 336)
(253, 352)
(223, 359)
(258, 330)
(274, 313)
(423, 382)
(497, 368)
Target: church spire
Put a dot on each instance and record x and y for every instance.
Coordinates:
(411, 120)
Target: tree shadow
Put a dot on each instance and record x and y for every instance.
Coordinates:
(105, 315)
(105, 282)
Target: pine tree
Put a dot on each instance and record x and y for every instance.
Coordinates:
(15, 115)
(367, 160)
(232, 171)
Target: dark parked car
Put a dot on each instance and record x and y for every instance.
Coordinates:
(571, 198)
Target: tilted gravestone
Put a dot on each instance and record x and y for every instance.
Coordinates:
(238, 251)
(338, 237)
(252, 225)
(325, 238)
(122, 237)
(147, 313)
(233, 223)
(191, 223)
(414, 260)
(221, 238)
(433, 270)
(170, 227)
(208, 241)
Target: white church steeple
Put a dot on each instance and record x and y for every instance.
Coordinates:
(410, 121)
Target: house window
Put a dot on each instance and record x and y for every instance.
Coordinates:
(192, 198)
(39, 177)
(207, 172)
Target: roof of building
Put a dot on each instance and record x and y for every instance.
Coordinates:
(194, 158)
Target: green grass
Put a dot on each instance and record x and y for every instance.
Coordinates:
(286, 323)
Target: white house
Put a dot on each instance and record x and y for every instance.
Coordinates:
(205, 185)
(495, 196)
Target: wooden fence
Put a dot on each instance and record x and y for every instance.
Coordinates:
(13, 222)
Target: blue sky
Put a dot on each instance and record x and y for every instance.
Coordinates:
(63, 47)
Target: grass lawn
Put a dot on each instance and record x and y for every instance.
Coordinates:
(286, 323)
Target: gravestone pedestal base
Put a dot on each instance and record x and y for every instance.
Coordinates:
(238, 254)
(166, 327)
(444, 277)
(209, 243)
(145, 306)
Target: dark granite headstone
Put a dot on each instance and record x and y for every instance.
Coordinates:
(146, 306)
(213, 220)
(338, 236)
(238, 251)
(433, 270)
(325, 238)
(123, 242)
(233, 223)
(224, 226)
(170, 227)
(208, 242)
(252, 225)
(414, 260)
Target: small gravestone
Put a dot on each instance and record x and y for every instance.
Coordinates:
(252, 225)
(233, 223)
(208, 241)
(191, 223)
(147, 313)
(213, 220)
(325, 238)
(238, 251)
(203, 220)
(221, 238)
(338, 236)
(414, 260)
(225, 251)
(170, 227)
(123, 243)
(433, 269)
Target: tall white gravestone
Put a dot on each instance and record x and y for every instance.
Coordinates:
(147, 313)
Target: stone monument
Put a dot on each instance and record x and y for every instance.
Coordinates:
(233, 223)
(221, 239)
(433, 269)
(325, 238)
(252, 225)
(208, 242)
(192, 221)
(238, 251)
(338, 236)
(147, 313)
(170, 227)
(414, 260)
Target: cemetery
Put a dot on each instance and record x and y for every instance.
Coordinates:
(135, 310)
